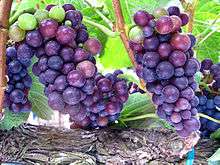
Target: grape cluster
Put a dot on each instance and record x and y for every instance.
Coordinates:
(67, 67)
(18, 60)
(207, 105)
(164, 58)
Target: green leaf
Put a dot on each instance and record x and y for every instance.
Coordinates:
(216, 135)
(215, 158)
(207, 29)
(39, 100)
(13, 120)
(115, 55)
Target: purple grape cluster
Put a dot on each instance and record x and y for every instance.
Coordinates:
(164, 58)
(67, 67)
(18, 60)
(207, 105)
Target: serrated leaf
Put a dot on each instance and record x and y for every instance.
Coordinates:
(115, 55)
(13, 120)
(215, 158)
(216, 135)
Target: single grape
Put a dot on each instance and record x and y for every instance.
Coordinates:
(82, 36)
(210, 104)
(164, 70)
(192, 124)
(175, 117)
(74, 16)
(50, 75)
(27, 21)
(68, 7)
(177, 23)
(88, 87)
(148, 31)
(164, 25)
(217, 100)
(41, 15)
(72, 95)
(34, 38)
(17, 96)
(161, 113)
(180, 82)
(164, 50)
(182, 104)
(192, 39)
(24, 51)
(102, 121)
(48, 28)
(136, 34)
(151, 43)
(164, 37)
(185, 18)
(121, 88)
(215, 69)
(16, 33)
(76, 78)
(55, 101)
(104, 85)
(187, 93)
(52, 48)
(171, 93)
(141, 18)
(150, 59)
(93, 46)
(181, 42)
(191, 67)
(80, 55)
(195, 101)
(184, 132)
(174, 10)
(57, 13)
(179, 72)
(87, 68)
(206, 64)
(14, 67)
(55, 62)
(42, 64)
(177, 58)
(158, 99)
(67, 68)
(60, 83)
(65, 34)
(149, 75)
(27, 81)
(212, 126)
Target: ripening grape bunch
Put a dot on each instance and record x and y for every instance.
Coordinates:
(209, 96)
(164, 57)
(66, 66)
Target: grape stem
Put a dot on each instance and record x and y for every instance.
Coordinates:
(104, 29)
(107, 21)
(5, 5)
(209, 118)
(150, 115)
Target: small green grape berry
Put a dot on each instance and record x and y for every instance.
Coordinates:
(27, 21)
(136, 34)
(57, 13)
(160, 12)
(68, 23)
(41, 15)
(16, 33)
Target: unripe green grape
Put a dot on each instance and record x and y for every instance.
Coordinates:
(57, 13)
(27, 21)
(68, 23)
(16, 33)
(136, 34)
(160, 12)
(41, 15)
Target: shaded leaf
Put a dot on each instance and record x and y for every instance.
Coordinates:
(216, 134)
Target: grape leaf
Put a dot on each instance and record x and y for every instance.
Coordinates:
(215, 158)
(13, 120)
(216, 134)
(207, 29)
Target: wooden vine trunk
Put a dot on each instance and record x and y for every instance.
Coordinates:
(31, 144)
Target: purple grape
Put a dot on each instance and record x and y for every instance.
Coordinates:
(34, 38)
(215, 69)
(80, 55)
(68, 7)
(48, 28)
(60, 83)
(191, 67)
(192, 39)
(182, 104)
(11, 52)
(184, 132)
(14, 67)
(180, 42)
(50, 75)
(27, 81)
(67, 54)
(42, 64)
(150, 59)
(102, 121)
(195, 101)
(177, 58)
(50, 6)
(17, 96)
(104, 85)
(74, 16)
(164, 50)
(35, 69)
(161, 113)
(164, 37)
(177, 23)
(82, 36)
(192, 124)
(67, 68)
(93, 46)
(72, 95)
(88, 87)
(186, 115)
(179, 72)
(87, 68)
(174, 10)
(76, 78)
(185, 18)
(52, 48)
(121, 88)
(175, 117)
(164, 70)
(141, 18)
(149, 75)
(164, 25)
(206, 64)
(151, 43)
(55, 62)
(171, 93)
(65, 34)
(187, 93)
(168, 108)
(40, 52)
(148, 31)
(55, 101)
(158, 99)
(24, 51)
(180, 82)
(112, 108)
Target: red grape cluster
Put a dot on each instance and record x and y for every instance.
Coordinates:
(18, 60)
(67, 67)
(165, 61)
